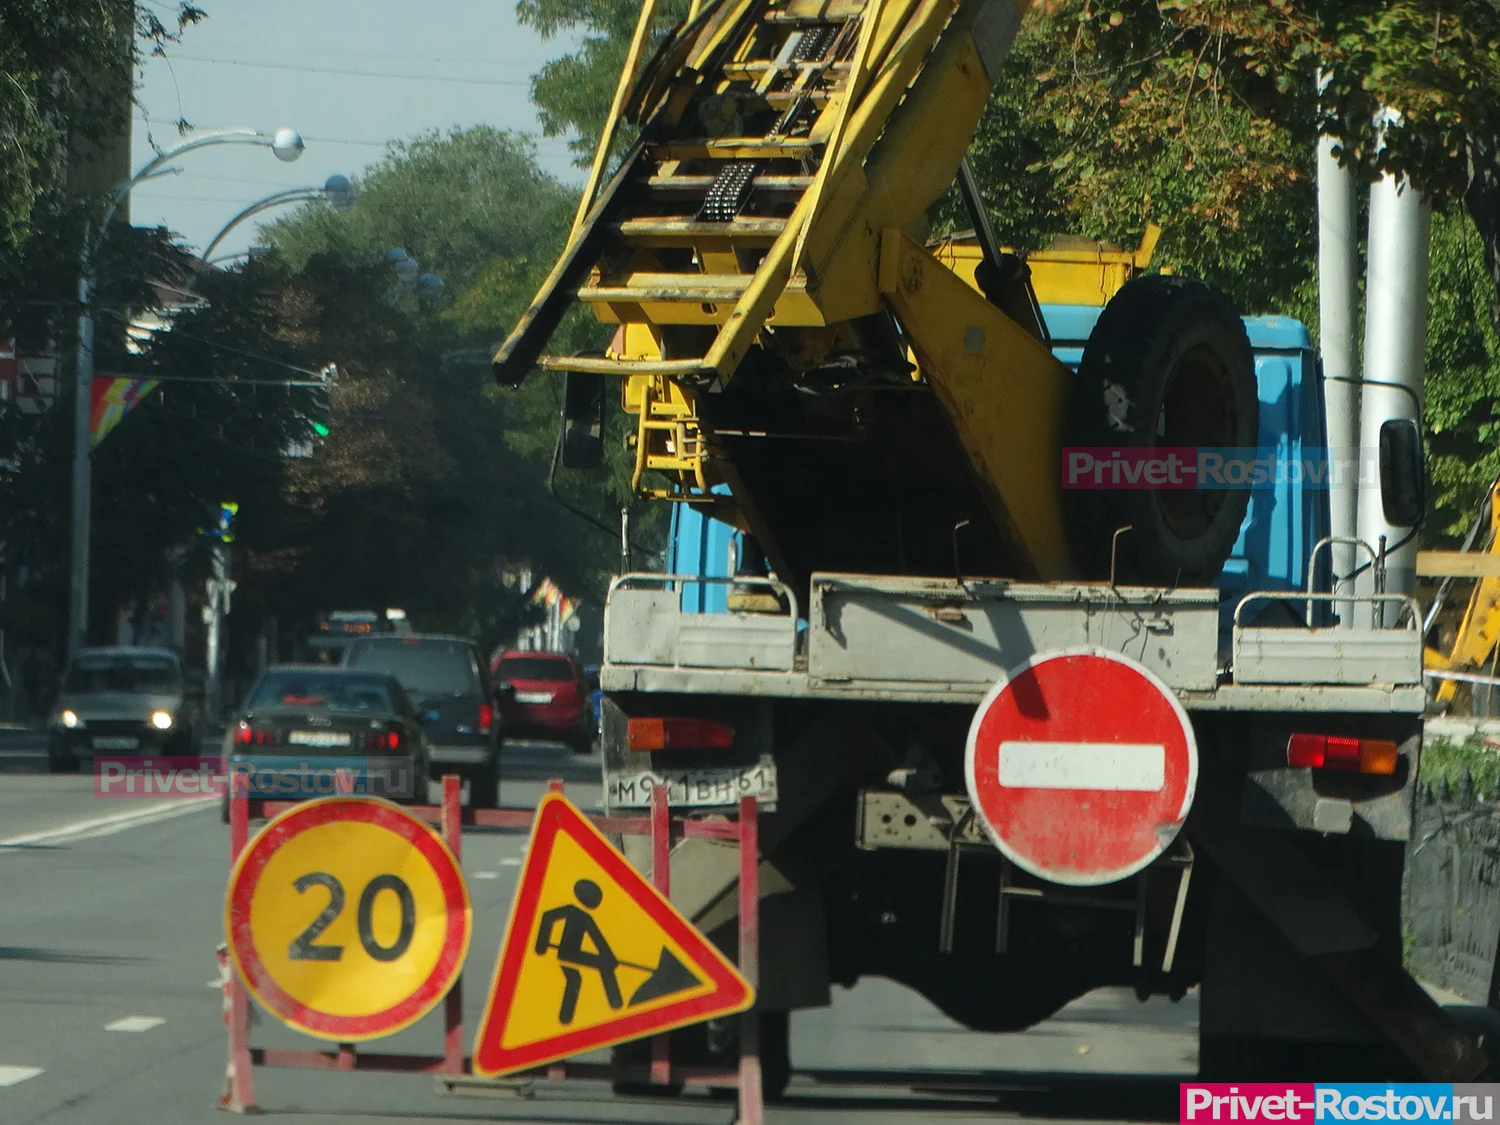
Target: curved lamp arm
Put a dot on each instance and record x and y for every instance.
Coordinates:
(337, 191)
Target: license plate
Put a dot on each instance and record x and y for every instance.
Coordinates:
(116, 742)
(319, 738)
(533, 697)
(695, 788)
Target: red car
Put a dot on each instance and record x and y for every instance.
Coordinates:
(543, 696)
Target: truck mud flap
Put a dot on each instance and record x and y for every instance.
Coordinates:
(1302, 902)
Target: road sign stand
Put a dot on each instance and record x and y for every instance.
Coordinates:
(452, 1067)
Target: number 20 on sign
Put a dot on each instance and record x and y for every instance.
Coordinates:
(347, 918)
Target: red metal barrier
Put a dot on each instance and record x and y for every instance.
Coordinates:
(239, 1091)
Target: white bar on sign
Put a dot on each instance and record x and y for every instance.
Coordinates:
(1113, 766)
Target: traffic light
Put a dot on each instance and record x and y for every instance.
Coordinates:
(224, 533)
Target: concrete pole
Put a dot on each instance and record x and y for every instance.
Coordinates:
(83, 379)
(1338, 258)
(213, 615)
(1394, 359)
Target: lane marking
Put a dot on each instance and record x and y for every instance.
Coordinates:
(486, 874)
(1109, 766)
(508, 861)
(135, 1023)
(11, 1075)
(96, 827)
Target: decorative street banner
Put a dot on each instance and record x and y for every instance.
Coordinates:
(113, 398)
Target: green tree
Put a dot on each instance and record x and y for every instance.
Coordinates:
(573, 92)
(59, 59)
(433, 481)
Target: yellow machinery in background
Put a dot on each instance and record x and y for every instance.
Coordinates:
(1474, 650)
(797, 352)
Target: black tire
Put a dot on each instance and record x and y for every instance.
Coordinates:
(61, 763)
(1168, 364)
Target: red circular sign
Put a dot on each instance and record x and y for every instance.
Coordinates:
(1082, 765)
(347, 918)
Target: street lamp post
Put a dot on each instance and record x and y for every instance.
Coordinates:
(336, 191)
(287, 145)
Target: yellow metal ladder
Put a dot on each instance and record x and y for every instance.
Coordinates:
(701, 229)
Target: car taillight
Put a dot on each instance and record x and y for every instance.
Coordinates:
(247, 735)
(486, 719)
(382, 740)
(1340, 752)
(678, 734)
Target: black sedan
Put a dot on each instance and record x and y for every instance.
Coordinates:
(317, 731)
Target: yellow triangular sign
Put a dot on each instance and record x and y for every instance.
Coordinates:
(593, 955)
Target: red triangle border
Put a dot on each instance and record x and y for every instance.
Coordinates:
(556, 816)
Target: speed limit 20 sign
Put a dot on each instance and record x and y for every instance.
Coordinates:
(347, 918)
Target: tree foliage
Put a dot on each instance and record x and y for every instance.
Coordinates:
(59, 59)
(433, 484)
(573, 92)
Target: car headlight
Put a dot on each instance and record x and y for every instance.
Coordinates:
(161, 720)
(69, 718)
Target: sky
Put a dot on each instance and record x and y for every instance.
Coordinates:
(349, 75)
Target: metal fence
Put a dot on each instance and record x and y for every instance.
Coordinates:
(1453, 890)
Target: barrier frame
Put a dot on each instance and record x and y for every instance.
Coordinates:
(238, 1095)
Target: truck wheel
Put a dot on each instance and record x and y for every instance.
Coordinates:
(1168, 365)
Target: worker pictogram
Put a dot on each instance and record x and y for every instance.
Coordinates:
(594, 955)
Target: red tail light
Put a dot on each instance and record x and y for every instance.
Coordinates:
(382, 740)
(679, 734)
(1340, 752)
(486, 719)
(246, 735)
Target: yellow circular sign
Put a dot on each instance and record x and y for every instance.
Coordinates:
(348, 918)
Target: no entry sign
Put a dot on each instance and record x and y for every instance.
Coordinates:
(1082, 765)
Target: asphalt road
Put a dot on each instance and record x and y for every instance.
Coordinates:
(110, 1007)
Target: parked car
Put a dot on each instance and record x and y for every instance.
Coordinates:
(300, 715)
(443, 677)
(543, 695)
(125, 700)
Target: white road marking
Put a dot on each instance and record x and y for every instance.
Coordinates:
(1108, 766)
(10, 1075)
(214, 984)
(510, 861)
(486, 874)
(135, 1023)
(99, 826)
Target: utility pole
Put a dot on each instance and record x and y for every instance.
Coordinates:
(220, 588)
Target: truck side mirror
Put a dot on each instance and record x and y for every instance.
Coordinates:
(1403, 473)
(583, 420)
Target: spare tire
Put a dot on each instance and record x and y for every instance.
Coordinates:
(1167, 365)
